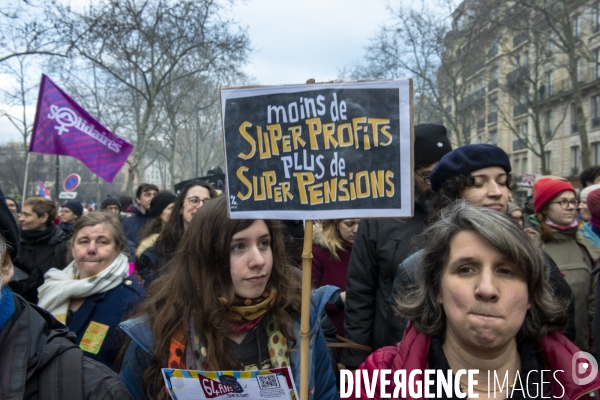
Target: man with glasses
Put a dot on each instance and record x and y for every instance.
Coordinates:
(378, 248)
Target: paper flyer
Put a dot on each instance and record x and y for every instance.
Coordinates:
(276, 384)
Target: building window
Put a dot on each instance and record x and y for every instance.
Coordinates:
(516, 166)
(576, 26)
(578, 69)
(524, 166)
(597, 64)
(596, 152)
(494, 49)
(549, 47)
(575, 160)
(494, 137)
(596, 12)
(595, 111)
(549, 83)
(548, 159)
(574, 119)
(525, 59)
(548, 120)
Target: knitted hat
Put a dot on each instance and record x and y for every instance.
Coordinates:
(431, 143)
(74, 206)
(14, 201)
(8, 227)
(160, 202)
(593, 202)
(587, 190)
(466, 159)
(110, 201)
(545, 189)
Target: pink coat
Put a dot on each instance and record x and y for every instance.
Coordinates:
(411, 353)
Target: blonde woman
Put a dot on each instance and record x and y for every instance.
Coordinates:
(332, 245)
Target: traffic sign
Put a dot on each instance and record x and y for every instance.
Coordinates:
(67, 195)
(71, 182)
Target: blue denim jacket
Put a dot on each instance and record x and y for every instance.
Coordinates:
(322, 383)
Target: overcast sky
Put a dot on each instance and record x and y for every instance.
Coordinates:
(295, 40)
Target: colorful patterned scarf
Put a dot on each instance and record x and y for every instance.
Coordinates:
(188, 352)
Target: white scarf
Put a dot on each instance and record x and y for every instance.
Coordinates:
(60, 286)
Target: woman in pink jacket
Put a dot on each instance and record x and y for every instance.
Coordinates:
(483, 319)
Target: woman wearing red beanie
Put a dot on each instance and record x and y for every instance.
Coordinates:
(555, 205)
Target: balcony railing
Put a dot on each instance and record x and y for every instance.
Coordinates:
(519, 110)
(586, 76)
(518, 144)
(574, 171)
(471, 99)
(520, 38)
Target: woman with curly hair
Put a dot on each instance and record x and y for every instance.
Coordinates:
(228, 300)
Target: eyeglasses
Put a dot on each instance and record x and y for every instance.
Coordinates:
(564, 204)
(425, 178)
(196, 201)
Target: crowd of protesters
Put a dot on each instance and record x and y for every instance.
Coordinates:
(94, 303)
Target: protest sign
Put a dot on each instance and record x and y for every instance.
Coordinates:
(319, 151)
(276, 384)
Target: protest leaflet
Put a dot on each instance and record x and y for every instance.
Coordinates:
(276, 384)
(319, 151)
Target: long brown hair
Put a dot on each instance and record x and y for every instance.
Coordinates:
(197, 283)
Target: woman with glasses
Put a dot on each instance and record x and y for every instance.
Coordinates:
(555, 205)
(188, 201)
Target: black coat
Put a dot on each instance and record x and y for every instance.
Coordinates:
(379, 247)
(133, 226)
(47, 251)
(30, 342)
(36, 256)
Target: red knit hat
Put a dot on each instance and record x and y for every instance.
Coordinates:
(545, 189)
(593, 203)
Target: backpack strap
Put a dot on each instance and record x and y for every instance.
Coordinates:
(62, 378)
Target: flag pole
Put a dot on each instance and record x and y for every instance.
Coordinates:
(305, 309)
(57, 187)
(307, 257)
(26, 176)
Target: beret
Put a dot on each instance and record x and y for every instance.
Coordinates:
(466, 159)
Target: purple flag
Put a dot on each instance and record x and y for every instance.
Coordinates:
(64, 127)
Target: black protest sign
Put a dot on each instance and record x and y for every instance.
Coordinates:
(319, 151)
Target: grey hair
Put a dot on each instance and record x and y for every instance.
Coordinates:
(420, 302)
